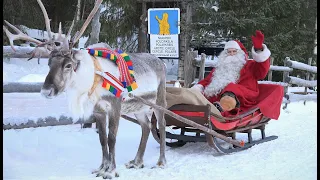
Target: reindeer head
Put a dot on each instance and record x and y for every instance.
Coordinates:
(63, 62)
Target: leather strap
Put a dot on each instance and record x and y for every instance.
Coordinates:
(97, 78)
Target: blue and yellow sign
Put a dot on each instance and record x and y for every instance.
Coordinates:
(164, 21)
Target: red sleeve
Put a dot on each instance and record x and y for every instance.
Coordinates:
(205, 81)
(261, 69)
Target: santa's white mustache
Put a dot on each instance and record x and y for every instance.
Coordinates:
(239, 58)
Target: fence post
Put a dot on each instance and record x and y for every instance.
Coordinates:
(307, 76)
(285, 75)
(202, 63)
(270, 71)
(194, 55)
(189, 68)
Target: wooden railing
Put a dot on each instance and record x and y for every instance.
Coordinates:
(191, 64)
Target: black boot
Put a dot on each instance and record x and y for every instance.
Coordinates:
(218, 106)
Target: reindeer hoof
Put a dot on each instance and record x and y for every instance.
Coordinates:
(133, 164)
(160, 164)
(110, 175)
(97, 170)
(105, 172)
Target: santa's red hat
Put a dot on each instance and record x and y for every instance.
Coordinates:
(236, 45)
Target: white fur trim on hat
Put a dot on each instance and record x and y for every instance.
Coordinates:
(261, 56)
(232, 44)
(198, 87)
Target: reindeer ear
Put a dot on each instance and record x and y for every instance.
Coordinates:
(54, 53)
(74, 54)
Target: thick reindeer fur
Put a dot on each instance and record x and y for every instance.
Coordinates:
(103, 106)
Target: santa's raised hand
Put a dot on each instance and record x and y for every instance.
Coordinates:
(257, 40)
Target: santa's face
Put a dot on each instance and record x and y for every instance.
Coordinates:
(232, 56)
(227, 71)
(232, 51)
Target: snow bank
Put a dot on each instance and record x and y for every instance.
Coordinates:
(21, 70)
(21, 107)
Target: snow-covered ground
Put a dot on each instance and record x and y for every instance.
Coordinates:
(69, 152)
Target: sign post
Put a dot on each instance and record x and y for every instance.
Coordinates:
(164, 30)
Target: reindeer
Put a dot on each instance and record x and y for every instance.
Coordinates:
(74, 71)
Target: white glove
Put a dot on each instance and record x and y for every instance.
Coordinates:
(198, 87)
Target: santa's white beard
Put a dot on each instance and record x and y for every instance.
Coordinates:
(227, 71)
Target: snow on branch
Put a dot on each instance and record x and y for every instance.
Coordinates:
(300, 82)
(301, 66)
(272, 82)
(280, 68)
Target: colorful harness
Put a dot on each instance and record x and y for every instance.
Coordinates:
(111, 83)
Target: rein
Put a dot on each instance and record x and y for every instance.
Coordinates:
(97, 78)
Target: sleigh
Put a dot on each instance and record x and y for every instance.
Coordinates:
(196, 123)
(201, 115)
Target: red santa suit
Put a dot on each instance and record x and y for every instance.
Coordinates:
(240, 75)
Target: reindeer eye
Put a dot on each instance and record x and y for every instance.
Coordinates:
(57, 43)
(68, 66)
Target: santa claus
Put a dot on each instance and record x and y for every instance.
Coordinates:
(233, 84)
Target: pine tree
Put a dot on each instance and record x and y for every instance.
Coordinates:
(288, 25)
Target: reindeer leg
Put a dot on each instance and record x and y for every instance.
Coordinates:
(109, 168)
(113, 129)
(161, 101)
(87, 125)
(162, 125)
(101, 120)
(145, 127)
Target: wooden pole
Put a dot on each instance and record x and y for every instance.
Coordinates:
(142, 39)
(285, 75)
(270, 71)
(44, 122)
(307, 76)
(186, 14)
(52, 121)
(202, 68)
(194, 55)
(189, 69)
(22, 87)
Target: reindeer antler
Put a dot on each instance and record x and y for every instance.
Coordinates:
(39, 49)
(46, 19)
(51, 42)
(86, 23)
(20, 35)
(70, 29)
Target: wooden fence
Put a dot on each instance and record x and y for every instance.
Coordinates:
(191, 65)
(287, 80)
